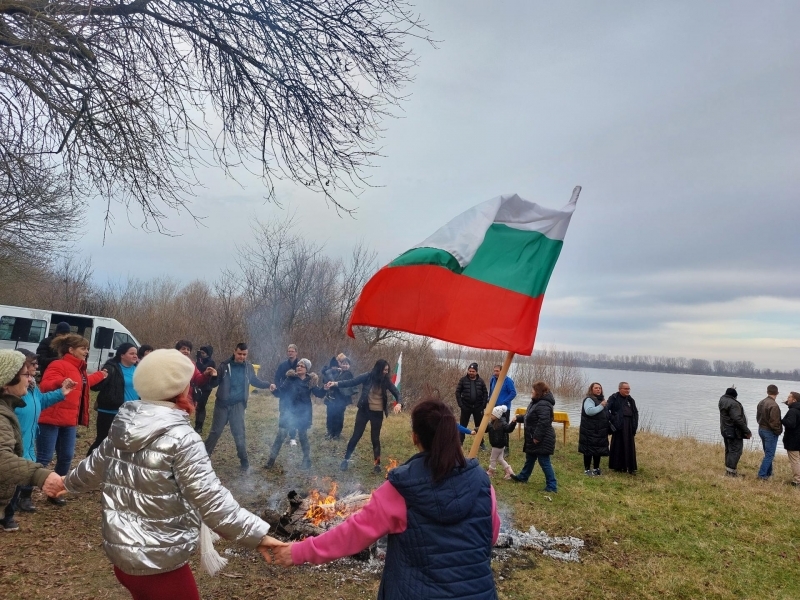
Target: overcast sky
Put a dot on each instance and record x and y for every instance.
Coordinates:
(681, 121)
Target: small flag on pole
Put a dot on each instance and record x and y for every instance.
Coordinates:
(478, 281)
(398, 369)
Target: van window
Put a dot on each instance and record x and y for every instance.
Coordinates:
(121, 338)
(20, 329)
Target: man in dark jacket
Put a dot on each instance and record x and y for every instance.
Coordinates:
(768, 417)
(540, 437)
(472, 397)
(290, 364)
(733, 426)
(201, 392)
(791, 435)
(44, 353)
(234, 378)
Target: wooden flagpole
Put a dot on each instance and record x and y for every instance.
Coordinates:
(492, 401)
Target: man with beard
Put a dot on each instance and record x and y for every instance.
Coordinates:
(472, 396)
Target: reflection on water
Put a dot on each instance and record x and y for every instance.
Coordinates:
(677, 404)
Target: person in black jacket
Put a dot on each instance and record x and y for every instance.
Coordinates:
(44, 351)
(373, 405)
(472, 395)
(115, 389)
(540, 437)
(234, 378)
(734, 429)
(290, 364)
(337, 400)
(201, 393)
(296, 409)
(594, 430)
(791, 435)
(623, 417)
(498, 431)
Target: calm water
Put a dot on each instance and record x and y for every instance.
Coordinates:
(675, 404)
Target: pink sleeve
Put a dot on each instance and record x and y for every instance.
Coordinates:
(199, 378)
(385, 513)
(495, 518)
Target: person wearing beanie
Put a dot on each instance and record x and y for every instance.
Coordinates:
(202, 392)
(115, 389)
(733, 426)
(28, 417)
(235, 376)
(472, 395)
(15, 470)
(158, 486)
(498, 431)
(296, 410)
(59, 423)
(45, 352)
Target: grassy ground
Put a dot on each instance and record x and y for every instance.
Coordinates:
(677, 530)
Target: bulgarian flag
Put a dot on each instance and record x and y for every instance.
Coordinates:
(478, 281)
(398, 370)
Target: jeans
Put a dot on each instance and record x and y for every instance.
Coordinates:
(769, 441)
(375, 419)
(60, 440)
(233, 414)
(551, 485)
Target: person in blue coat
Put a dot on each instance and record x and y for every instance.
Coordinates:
(28, 417)
(507, 393)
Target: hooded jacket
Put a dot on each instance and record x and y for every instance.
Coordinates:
(295, 400)
(111, 390)
(224, 374)
(498, 430)
(507, 392)
(28, 414)
(203, 364)
(74, 410)
(539, 426)
(791, 427)
(14, 469)
(157, 484)
(732, 420)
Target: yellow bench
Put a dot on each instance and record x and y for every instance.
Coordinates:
(558, 417)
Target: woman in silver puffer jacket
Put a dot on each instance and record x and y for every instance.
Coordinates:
(158, 484)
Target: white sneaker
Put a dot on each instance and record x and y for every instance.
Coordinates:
(293, 442)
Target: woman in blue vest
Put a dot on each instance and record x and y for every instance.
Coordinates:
(440, 514)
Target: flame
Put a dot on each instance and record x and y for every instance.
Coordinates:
(323, 509)
(392, 465)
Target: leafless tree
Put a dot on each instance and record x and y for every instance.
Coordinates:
(128, 98)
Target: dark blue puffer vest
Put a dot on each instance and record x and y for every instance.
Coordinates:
(446, 549)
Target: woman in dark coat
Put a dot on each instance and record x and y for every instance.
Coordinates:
(593, 439)
(294, 404)
(114, 390)
(337, 399)
(373, 405)
(540, 437)
(624, 421)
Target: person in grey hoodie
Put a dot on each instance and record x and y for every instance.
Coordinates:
(733, 427)
(159, 488)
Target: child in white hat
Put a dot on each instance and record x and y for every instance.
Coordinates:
(498, 431)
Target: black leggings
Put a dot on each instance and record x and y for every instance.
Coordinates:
(589, 458)
(104, 421)
(375, 419)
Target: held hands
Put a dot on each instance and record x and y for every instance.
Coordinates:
(397, 408)
(210, 372)
(330, 384)
(54, 486)
(105, 373)
(276, 551)
(67, 386)
(474, 431)
(273, 387)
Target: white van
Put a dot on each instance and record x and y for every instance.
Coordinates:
(26, 327)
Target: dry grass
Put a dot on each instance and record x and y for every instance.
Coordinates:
(677, 530)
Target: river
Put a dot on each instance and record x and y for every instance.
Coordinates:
(676, 404)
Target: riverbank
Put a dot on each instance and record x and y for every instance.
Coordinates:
(679, 529)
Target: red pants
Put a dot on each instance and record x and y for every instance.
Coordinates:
(172, 585)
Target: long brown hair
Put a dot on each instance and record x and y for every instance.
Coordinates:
(435, 427)
(63, 343)
(590, 393)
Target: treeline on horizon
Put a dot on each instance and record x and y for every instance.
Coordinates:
(666, 364)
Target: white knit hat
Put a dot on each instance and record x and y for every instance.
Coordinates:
(499, 411)
(11, 363)
(162, 375)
